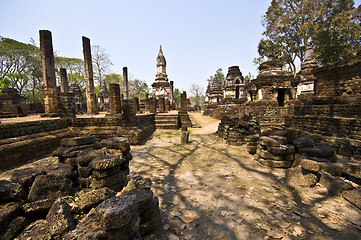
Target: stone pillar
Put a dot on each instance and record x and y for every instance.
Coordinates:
(167, 105)
(114, 99)
(172, 94)
(152, 105)
(136, 104)
(64, 88)
(161, 104)
(128, 112)
(183, 102)
(185, 135)
(89, 82)
(48, 72)
(146, 107)
(66, 105)
(126, 84)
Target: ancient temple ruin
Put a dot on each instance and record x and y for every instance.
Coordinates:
(307, 79)
(161, 88)
(234, 85)
(12, 104)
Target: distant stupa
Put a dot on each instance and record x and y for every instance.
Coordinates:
(161, 88)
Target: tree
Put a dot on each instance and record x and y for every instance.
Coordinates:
(177, 95)
(337, 31)
(101, 62)
(332, 27)
(248, 77)
(210, 79)
(19, 66)
(220, 75)
(287, 33)
(113, 78)
(138, 88)
(4, 83)
(197, 92)
(74, 69)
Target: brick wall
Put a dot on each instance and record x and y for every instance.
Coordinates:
(20, 142)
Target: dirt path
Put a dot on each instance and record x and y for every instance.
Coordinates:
(210, 190)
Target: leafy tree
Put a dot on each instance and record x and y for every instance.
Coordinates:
(18, 80)
(177, 95)
(138, 88)
(4, 83)
(337, 31)
(113, 78)
(20, 66)
(248, 77)
(74, 69)
(332, 27)
(220, 75)
(101, 62)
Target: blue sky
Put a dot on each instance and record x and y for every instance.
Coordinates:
(197, 36)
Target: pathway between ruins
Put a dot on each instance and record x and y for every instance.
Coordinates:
(210, 190)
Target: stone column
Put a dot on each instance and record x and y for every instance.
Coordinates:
(161, 102)
(172, 94)
(114, 99)
(66, 105)
(136, 104)
(185, 135)
(64, 88)
(128, 112)
(89, 82)
(183, 102)
(183, 114)
(152, 105)
(146, 107)
(167, 105)
(48, 72)
(126, 84)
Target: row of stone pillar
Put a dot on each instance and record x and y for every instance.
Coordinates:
(51, 94)
(52, 98)
(49, 80)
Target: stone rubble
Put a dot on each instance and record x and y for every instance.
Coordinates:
(46, 202)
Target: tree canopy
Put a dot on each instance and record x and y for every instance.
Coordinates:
(20, 67)
(177, 95)
(220, 77)
(74, 69)
(138, 88)
(331, 27)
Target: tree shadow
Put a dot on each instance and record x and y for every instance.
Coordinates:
(185, 180)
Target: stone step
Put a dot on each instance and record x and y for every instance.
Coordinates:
(166, 126)
(166, 117)
(170, 121)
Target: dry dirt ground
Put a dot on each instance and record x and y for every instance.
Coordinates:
(210, 190)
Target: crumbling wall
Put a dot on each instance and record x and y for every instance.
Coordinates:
(267, 113)
(234, 130)
(24, 141)
(334, 113)
(339, 81)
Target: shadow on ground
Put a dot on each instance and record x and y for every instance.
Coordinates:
(210, 190)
